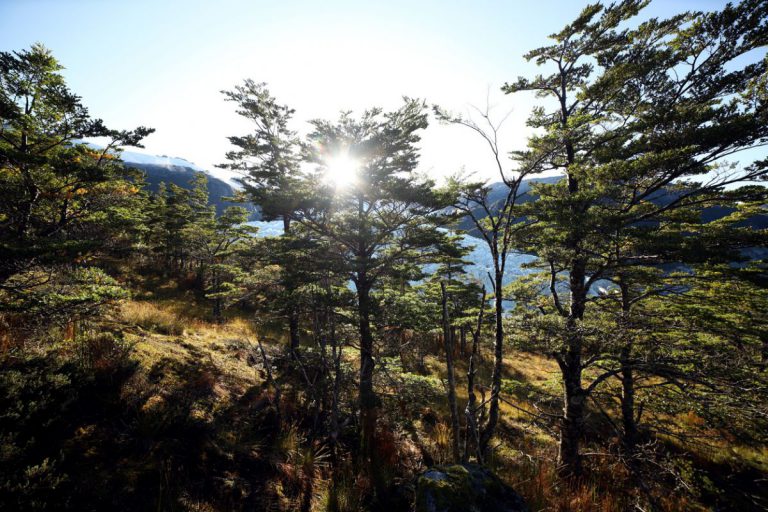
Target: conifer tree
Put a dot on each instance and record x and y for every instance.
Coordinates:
(216, 243)
(639, 123)
(269, 161)
(458, 296)
(62, 202)
(382, 217)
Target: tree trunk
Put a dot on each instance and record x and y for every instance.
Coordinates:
(336, 354)
(291, 311)
(217, 301)
(449, 346)
(572, 426)
(628, 404)
(217, 318)
(369, 402)
(629, 423)
(26, 214)
(472, 437)
(293, 328)
(498, 365)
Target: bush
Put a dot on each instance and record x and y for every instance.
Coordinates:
(103, 351)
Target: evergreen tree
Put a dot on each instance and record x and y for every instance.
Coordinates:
(381, 218)
(215, 243)
(61, 201)
(457, 298)
(268, 159)
(641, 121)
(174, 211)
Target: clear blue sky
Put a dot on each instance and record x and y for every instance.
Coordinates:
(162, 63)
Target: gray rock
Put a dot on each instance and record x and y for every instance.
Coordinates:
(465, 488)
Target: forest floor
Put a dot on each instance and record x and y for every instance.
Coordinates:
(168, 411)
(224, 358)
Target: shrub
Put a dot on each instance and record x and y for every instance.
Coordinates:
(103, 351)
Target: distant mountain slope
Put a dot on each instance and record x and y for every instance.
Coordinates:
(709, 214)
(162, 160)
(163, 169)
(497, 195)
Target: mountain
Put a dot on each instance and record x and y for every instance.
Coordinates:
(164, 169)
(497, 195)
(663, 197)
(134, 157)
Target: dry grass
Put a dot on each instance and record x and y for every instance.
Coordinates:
(151, 317)
(524, 455)
(222, 352)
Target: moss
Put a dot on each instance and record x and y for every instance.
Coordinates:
(444, 490)
(465, 488)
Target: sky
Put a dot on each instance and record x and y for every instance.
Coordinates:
(163, 63)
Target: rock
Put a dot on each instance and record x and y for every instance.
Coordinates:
(465, 488)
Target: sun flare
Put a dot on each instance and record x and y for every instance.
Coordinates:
(341, 170)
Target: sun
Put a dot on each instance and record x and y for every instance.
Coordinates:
(341, 170)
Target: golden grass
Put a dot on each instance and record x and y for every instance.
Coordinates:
(220, 351)
(178, 338)
(151, 317)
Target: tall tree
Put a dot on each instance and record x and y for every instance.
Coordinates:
(639, 122)
(458, 296)
(269, 160)
(61, 201)
(216, 243)
(497, 222)
(379, 217)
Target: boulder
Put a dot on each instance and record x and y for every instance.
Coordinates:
(465, 488)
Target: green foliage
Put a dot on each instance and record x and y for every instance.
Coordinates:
(639, 124)
(82, 291)
(62, 203)
(215, 244)
(651, 316)
(268, 157)
(173, 213)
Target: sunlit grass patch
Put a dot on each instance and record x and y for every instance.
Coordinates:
(152, 317)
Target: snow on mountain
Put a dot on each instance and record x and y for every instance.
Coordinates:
(135, 157)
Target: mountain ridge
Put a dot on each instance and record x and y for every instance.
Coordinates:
(179, 171)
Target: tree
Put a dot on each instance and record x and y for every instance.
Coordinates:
(269, 160)
(639, 123)
(498, 224)
(216, 243)
(457, 298)
(61, 201)
(384, 216)
(173, 212)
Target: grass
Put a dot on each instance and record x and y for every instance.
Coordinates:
(194, 376)
(524, 454)
(220, 353)
(152, 317)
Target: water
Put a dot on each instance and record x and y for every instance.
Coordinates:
(480, 255)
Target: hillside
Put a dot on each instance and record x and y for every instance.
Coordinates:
(178, 171)
(597, 344)
(218, 190)
(499, 190)
(171, 411)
